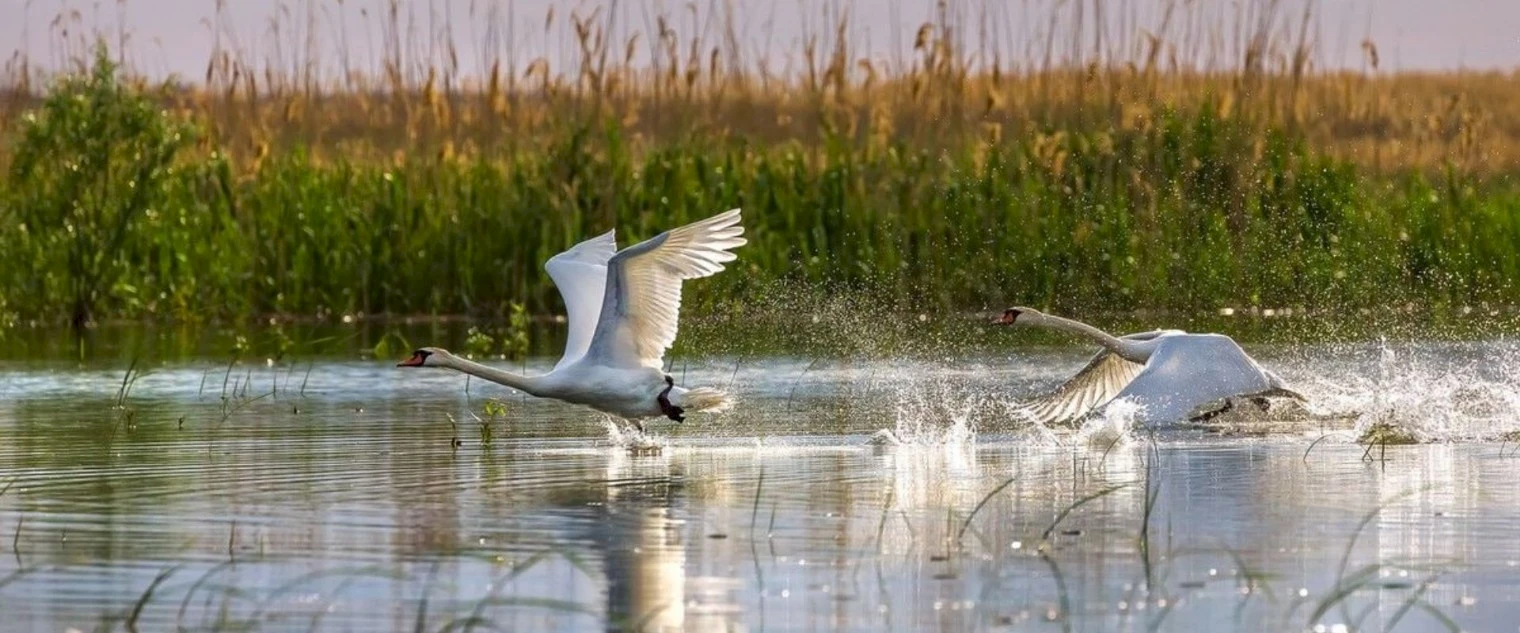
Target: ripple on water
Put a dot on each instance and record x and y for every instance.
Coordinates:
(352, 505)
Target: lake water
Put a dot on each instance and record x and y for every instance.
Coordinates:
(360, 497)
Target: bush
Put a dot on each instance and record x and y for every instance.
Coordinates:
(88, 165)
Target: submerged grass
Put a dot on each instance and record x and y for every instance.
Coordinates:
(1163, 170)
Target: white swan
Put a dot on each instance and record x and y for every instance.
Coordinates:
(1173, 375)
(622, 310)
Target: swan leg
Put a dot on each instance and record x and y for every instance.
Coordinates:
(1228, 405)
(671, 411)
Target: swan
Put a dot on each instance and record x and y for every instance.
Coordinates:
(622, 309)
(1173, 375)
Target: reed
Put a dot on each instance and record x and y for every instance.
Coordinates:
(1200, 161)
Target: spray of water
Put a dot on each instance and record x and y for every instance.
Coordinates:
(630, 437)
(1434, 392)
(1111, 429)
(932, 408)
(1427, 392)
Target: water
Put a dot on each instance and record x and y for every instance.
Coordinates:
(352, 503)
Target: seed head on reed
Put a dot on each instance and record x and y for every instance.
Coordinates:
(1248, 143)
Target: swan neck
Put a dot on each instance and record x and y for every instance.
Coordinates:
(529, 384)
(1127, 350)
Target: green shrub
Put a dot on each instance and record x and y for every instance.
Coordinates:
(89, 164)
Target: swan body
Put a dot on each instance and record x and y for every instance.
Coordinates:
(622, 309)
(1174, 376)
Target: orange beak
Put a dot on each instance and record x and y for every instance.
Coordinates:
(414, 361)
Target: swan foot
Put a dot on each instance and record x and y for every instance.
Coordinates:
(636, 441)
(652, 450)
(671, 411)
(1228, 405)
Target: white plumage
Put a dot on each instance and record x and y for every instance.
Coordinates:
(581, 276)
(643, 289)
(623, 309)
(1172, 375)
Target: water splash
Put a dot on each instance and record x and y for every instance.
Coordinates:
(1114, 427)
(936, 412)
(1431, 392)
(629, 436)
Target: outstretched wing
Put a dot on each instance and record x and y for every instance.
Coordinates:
(580, 273)
(643, 295)
(1104, 377)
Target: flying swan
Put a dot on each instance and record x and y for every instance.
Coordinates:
(622, 308)
(1174, 376)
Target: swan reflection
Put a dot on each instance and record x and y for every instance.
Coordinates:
(643, 538)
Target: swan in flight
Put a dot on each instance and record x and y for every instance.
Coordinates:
(622, 308)
(1175, 376)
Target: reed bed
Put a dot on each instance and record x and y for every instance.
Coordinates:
(1192, 163)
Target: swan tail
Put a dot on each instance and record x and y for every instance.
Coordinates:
(704, 399)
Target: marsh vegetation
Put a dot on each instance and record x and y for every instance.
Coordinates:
(1201, 162)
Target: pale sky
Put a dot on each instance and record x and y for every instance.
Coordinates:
(177, 36)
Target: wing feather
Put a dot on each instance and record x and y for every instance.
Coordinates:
(1101, 380)
(580, 273)
(642, 304)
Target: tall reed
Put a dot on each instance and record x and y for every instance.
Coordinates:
(1196, 162)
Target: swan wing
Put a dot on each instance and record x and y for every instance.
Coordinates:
(1100, 381)
(1188, 373)
(580, 273)
(643, 289)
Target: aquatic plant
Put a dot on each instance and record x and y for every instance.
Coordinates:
(509, 341)
(1386, 433)
(89, 164)
(1162, 168)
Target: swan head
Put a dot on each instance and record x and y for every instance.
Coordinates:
(425, 357)
(1011, 316)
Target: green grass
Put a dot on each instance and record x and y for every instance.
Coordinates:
(112, 209)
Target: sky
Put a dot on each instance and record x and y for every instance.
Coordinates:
(178, 36)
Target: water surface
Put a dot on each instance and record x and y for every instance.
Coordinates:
(360, 497)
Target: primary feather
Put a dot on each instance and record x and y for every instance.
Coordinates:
(1098, 382)
(643, 294)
